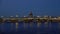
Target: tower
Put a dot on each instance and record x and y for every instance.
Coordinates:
(30, 14)
(17, 15)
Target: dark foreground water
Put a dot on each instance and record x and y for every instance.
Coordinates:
(10, 28)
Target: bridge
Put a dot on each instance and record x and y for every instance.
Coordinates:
(27, 19)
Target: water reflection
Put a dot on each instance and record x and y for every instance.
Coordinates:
(16, 26)
(11, 26)
(2, 27)
(31, 27)
(25, 25)
(59, 25)
(38, 25)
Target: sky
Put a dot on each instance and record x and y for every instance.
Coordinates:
(23, 7)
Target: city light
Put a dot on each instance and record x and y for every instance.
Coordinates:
(30, 17)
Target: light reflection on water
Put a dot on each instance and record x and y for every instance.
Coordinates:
(31, 27)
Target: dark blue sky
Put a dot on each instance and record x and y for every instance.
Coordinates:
(23, 7)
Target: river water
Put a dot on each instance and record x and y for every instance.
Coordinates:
(30, 28)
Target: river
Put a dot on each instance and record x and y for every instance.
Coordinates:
(30, 28)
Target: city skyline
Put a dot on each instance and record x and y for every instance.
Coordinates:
(29, 15)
